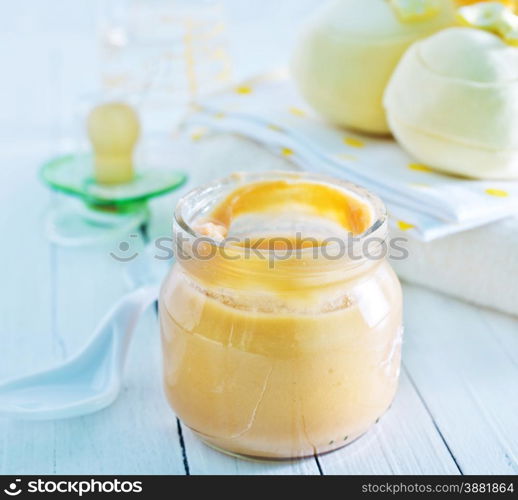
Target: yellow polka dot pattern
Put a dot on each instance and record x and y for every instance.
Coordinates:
(419, 167)
(405, 226)
(244, 90)
(353, 142)
(297, 112)
(499, 193)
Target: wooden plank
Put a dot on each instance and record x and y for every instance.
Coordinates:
(26, 313)
(405, 441)
(503, 330)
(467, 378)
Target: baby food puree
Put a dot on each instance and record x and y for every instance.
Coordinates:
(285, 357)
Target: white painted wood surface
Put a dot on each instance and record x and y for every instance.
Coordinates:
(456, 410)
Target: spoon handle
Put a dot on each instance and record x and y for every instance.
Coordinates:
(125, 314)
(65, 391)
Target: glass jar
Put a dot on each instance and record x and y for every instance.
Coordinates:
(167, 52)
(274, 351)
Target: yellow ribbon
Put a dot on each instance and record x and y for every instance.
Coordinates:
(409, 11)
(494, 17)
(512, 4)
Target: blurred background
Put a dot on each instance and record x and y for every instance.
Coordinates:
(52, 53)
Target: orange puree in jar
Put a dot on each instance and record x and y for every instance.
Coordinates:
(277, 345)
(314, 199)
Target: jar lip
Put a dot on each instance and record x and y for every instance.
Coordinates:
(378, 210)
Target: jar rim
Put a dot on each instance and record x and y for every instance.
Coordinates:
(377, 228)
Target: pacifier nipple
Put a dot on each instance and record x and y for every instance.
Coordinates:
(113, 129)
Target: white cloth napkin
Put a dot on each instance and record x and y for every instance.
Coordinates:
(479, 266)
(420, 201)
